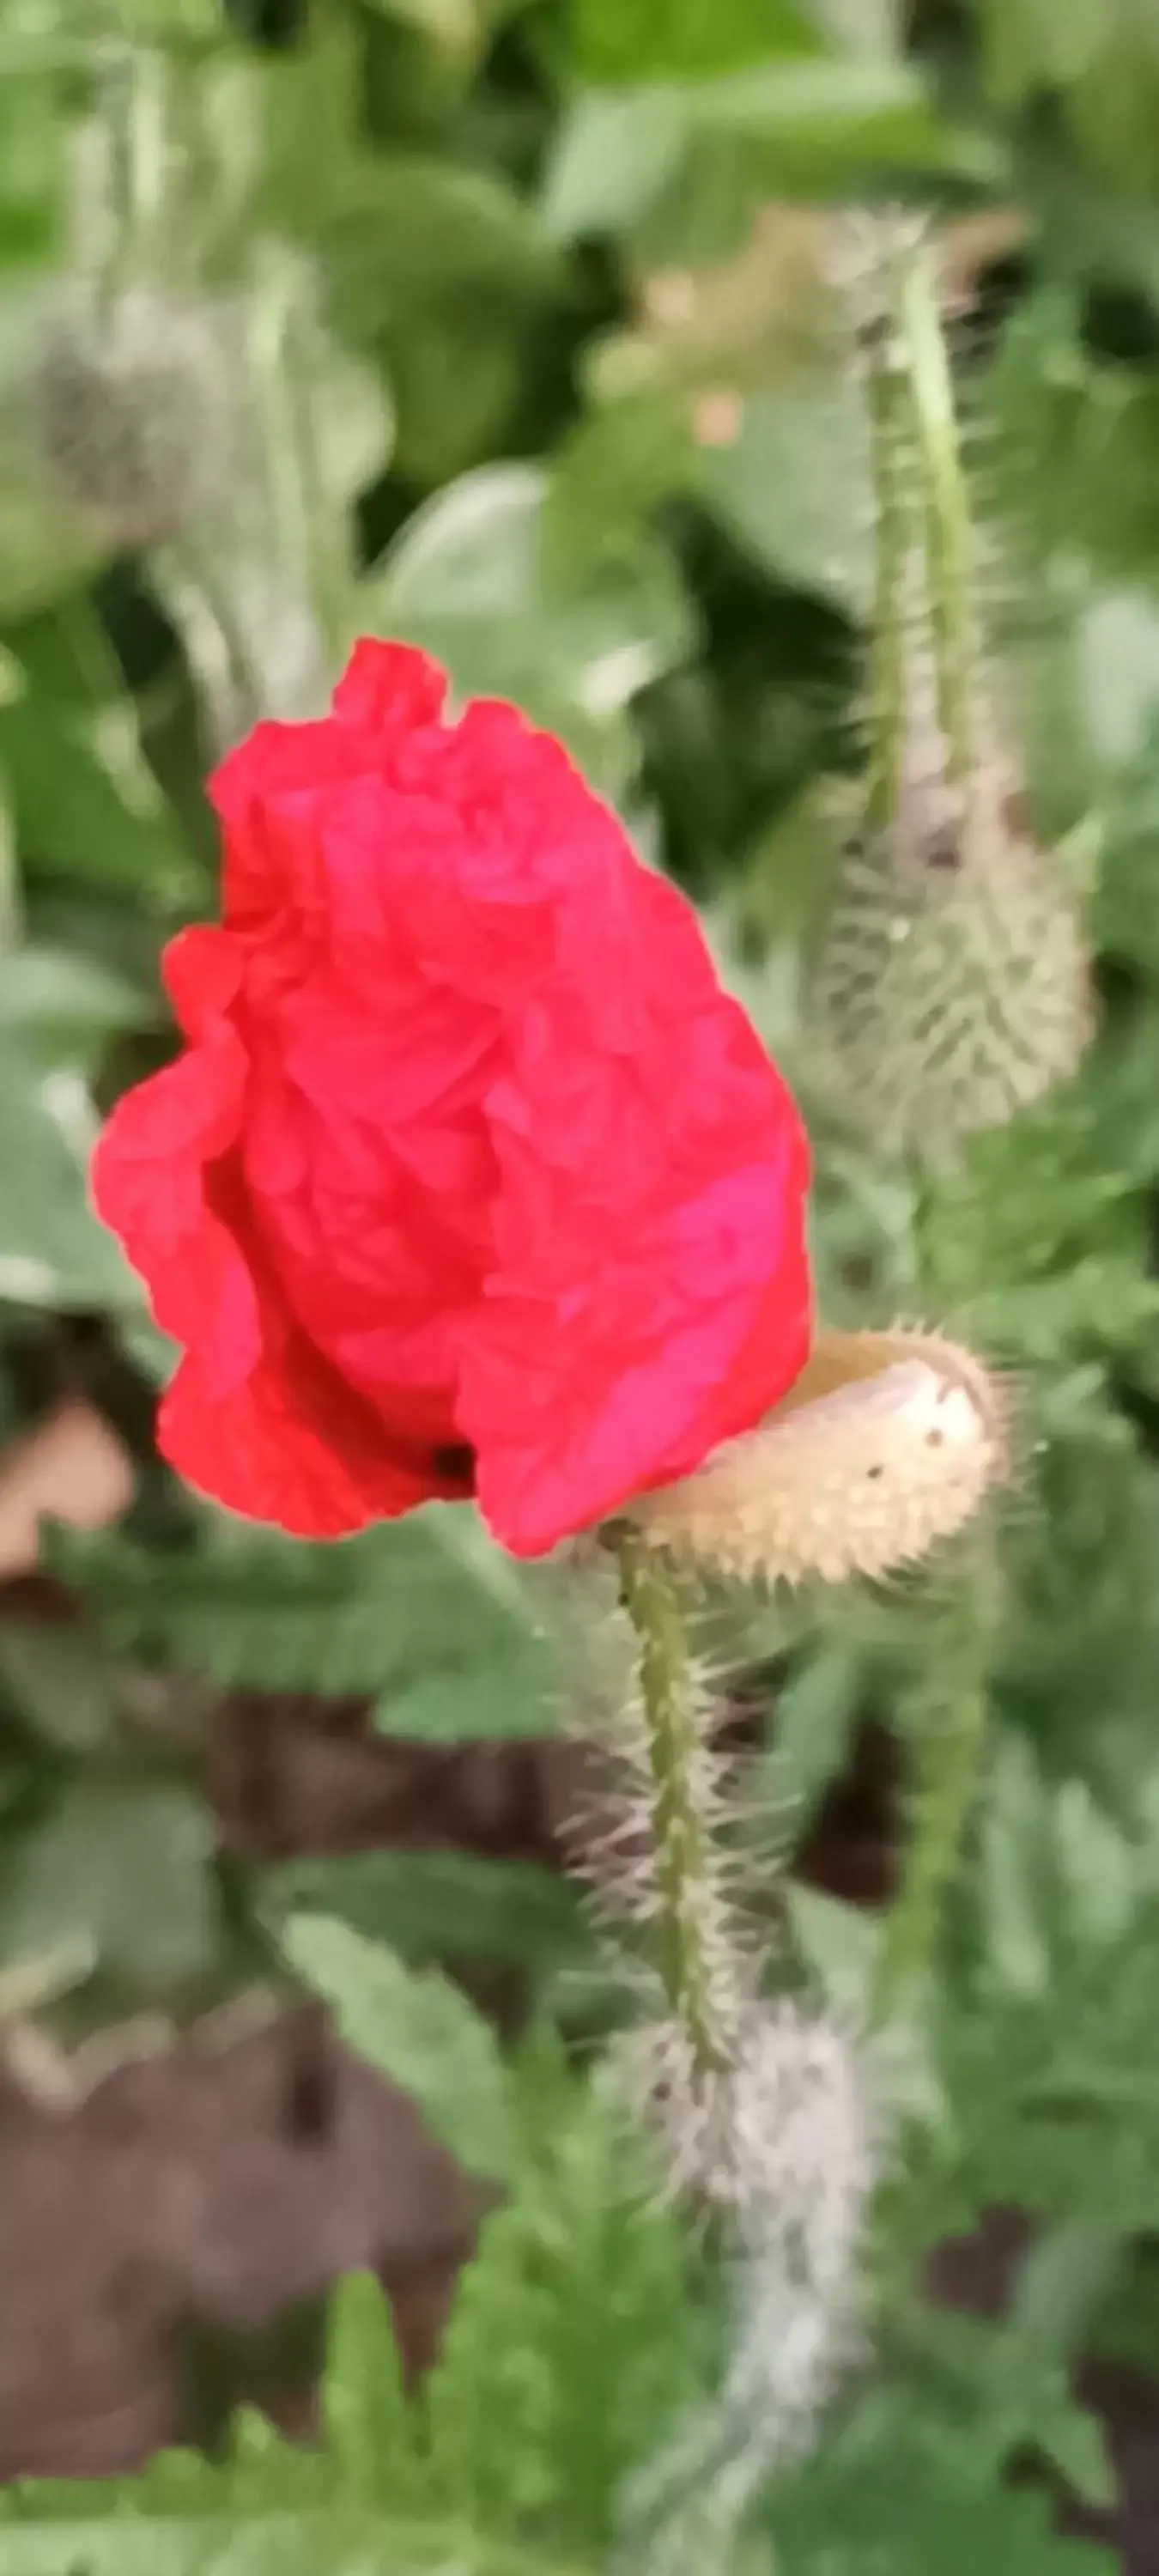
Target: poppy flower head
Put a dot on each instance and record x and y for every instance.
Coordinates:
(470, 1178)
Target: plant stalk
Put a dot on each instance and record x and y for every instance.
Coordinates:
(685, 1864)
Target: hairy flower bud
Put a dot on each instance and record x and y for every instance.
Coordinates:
(952, 988)
(886, 1444)
(133, 407)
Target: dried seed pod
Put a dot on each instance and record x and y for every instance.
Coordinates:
(134, 409)
(887, 1444)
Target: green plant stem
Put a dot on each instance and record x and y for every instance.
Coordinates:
(888, 395)
(944, 501)
(946, 1711)
(924, 546)
(947, 1715)
(685, 1863)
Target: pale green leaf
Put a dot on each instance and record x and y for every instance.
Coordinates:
(417, 2028)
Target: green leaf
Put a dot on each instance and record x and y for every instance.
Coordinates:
(53, 1252)
(610, 475)
(426, 1614)
(418, 2029)
(471, 580)
(612, 157)
(456, 29)
(840, 1943)
(65, 1691)
(794, 488)
(572, 2344)
(414, 231)
(84, 801)
(1012, 1873)
(435, 1904)
(905, 2505)
(799, 123)
(124, 1863)
(576, 2341)
(368, 2424)
(685, 38)
(1102, 56)
(68, 995)
(285, 2515)
(1064, 2281)
(816, 1713)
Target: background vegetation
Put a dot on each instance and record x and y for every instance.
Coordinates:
(509, 329)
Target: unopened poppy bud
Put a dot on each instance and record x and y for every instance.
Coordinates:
(134, 412)
(887, 1444)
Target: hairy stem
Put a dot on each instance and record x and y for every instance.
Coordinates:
(888, 396)
(916, 441)
(685, 1864)
(945, 502)
(947, 1729)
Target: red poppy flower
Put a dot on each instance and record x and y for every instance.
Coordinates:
(470, 1178)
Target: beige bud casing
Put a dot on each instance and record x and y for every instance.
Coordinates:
(887, 1444)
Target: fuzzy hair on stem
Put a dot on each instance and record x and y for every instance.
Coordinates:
(803, 2159)
(952, 985)
(664, 1745)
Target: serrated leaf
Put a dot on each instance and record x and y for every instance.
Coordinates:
(417, 2028)
(185, 2518)
(904, 2508)
(435, 1904)
(426, 1613)
(369, 2426)
(572, 2342)
(576, 2341)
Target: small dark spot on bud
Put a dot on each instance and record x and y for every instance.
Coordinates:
(934, 1439)
(875, 1471)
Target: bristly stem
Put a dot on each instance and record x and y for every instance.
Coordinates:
(891, 462)
(937, 456)
(684, 1862)
(925, 547)
(947, 1730)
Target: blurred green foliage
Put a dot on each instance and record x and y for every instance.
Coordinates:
(519, 309)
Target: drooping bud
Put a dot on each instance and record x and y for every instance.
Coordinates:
(887, 1444)
(133, 406)
(952, 988)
